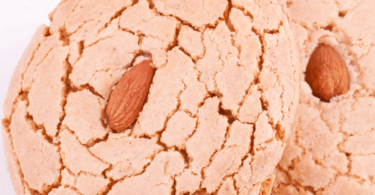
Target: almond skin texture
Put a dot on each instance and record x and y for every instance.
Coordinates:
(326, 73)
(129, 96)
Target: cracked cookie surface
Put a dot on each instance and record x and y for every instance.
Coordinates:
(217, 116)
(331, 150)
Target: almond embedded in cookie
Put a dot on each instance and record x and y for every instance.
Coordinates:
(129, 96)
(214, 117)
(332, 143)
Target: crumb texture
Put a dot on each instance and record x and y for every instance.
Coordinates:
(63, 191)
(45, 105)
(88, 184)
(29, 143)
(332, 146)
(77, 158)
(84, 119)
(157, 179)
(196, 12)
(216, 118)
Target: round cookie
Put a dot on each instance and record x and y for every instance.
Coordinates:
(216, 119)
(332, 147)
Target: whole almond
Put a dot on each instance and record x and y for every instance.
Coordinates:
(129, 96)
(326, 73)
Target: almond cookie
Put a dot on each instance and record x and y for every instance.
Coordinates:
(153, 97)
(332, 147)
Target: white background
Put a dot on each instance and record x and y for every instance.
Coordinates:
(18, 22)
